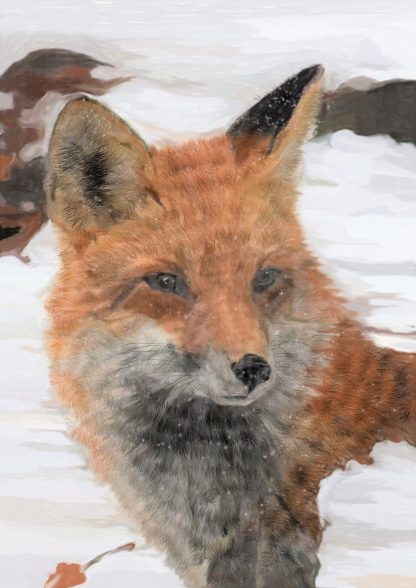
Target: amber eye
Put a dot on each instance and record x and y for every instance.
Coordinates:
(167, 283)
(265, 278)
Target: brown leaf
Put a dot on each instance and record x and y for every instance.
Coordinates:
(66, 576)
(69, 575)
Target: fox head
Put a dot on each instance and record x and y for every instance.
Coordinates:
(184, 274)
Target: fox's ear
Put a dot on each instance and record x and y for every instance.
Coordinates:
(272, 131)
(98, 168)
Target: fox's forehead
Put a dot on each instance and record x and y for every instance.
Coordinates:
(199, 176)
(194, 159)
(202, 190)
(220, 245)
(205, 216)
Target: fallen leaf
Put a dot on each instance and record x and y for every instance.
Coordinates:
(66, 576)
(69, 575)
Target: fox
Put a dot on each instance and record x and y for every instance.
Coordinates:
(212, 369)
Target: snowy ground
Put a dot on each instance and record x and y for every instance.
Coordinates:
(197, 67)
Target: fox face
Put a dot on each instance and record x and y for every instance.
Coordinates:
(184, 274)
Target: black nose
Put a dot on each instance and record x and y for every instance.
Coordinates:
(251, 370)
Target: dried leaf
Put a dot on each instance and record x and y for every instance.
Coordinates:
(69, 575)
(66, 576)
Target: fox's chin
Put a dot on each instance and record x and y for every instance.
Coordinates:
(235, 400)
(244, 399)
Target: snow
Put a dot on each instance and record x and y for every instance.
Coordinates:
(197, 66)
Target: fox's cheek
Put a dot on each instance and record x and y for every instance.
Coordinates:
(153, 335)
(158, 306)
(277, 300)
(144, 309)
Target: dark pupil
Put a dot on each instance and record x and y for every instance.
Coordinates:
(166, 282)
(265, 278)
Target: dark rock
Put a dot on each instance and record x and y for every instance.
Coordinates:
(369, 108)
(22, 198)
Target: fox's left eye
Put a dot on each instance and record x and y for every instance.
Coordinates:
(265, 278)
(167, 283)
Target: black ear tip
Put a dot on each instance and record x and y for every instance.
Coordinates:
(319, 70)
(272, 113)
(310, 74)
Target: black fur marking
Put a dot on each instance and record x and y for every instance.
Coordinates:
(95, 171)
(6, 232)
(272, 113)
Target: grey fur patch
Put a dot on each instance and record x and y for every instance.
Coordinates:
(92, 170)
(192, 471)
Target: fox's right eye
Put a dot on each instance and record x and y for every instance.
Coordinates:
(167, 283)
